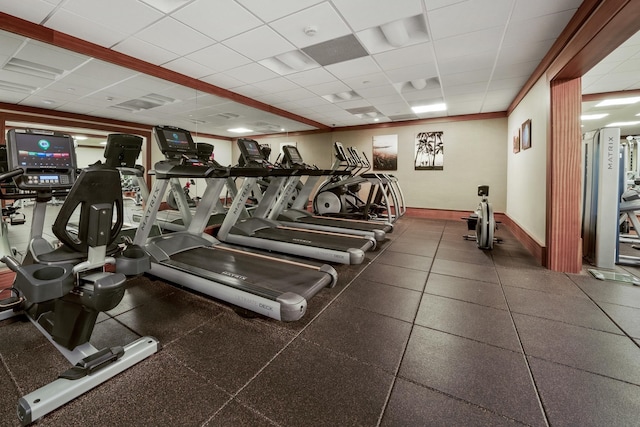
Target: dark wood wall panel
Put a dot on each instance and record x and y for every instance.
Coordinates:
(564, 186)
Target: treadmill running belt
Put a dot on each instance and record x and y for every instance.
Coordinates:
(264, 276)
(359, 225)
(320, 240)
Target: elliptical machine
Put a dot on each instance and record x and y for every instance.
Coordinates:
(63, 289)
(483, 222)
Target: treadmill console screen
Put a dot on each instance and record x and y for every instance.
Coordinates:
(47, 158)
(340, 154)
(292, 155)
(250, 151)
(122, 150)
(174, 142)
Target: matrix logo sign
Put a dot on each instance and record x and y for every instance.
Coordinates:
(44, 144)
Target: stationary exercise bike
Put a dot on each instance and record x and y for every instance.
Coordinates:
(483, 222)
(62, 289)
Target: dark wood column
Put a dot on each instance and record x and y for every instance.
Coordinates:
(564, 195)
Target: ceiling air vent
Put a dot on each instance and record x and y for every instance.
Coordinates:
(33, 69)
(228, 116)
(402, 117)
(16, 87)
(146, 102)
(337, 50)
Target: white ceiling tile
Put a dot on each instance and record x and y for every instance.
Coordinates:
(314, 101)
(174, 36)
(29, 10)
(259, 43)
(418, 71)
(109, 13)
(515, 70)
(460, 108)
(467, 17)
(147, 83)
(271, 99)
(368, 81)
(219, 57)
(353, 68)
(188, 68)
(377, 91)
(531, 9)
(374, 40)
(466, 88)
(104, 72)
(361, 14)
(137, 48)
(267, 12)
(476, 61)
(85, 29)
(328, 88)
(513, 83)
(465, 77)
(296, 94)
(466, 98)
(541, 28)
(385, 99)
(252, 73)
(631, 65)
(405, 57)
(394, 108)
(219, 20)
(313, 76)
(510, 55)
(276, 85)
(66, 84)
(418, 95)
(328, 23)
(42, 53)
(223, 80)
(486, 40)
(9, 43)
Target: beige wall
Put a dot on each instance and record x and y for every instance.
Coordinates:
(526, 170)
(474, 155)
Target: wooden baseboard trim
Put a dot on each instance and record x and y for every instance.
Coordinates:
(538, 251)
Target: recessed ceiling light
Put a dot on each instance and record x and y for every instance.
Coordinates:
(80, 137)
(48, 101)
(621, 124)
(618, 101)
(593, 116)
(239, 130)
(429, 108)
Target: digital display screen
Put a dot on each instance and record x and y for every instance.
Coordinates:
(44, 151)
(293, 154)
(176, 139)
(252, 149)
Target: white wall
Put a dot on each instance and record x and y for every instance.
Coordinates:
(474, 155)
(526, 170)
(86, 155)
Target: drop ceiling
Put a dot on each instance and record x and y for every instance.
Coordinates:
(331, 63)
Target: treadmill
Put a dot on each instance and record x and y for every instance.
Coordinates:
(261, 232)
(304, 219)
(272, 286)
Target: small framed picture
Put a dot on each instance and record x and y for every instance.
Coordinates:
(526, 135)
(516, 142)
